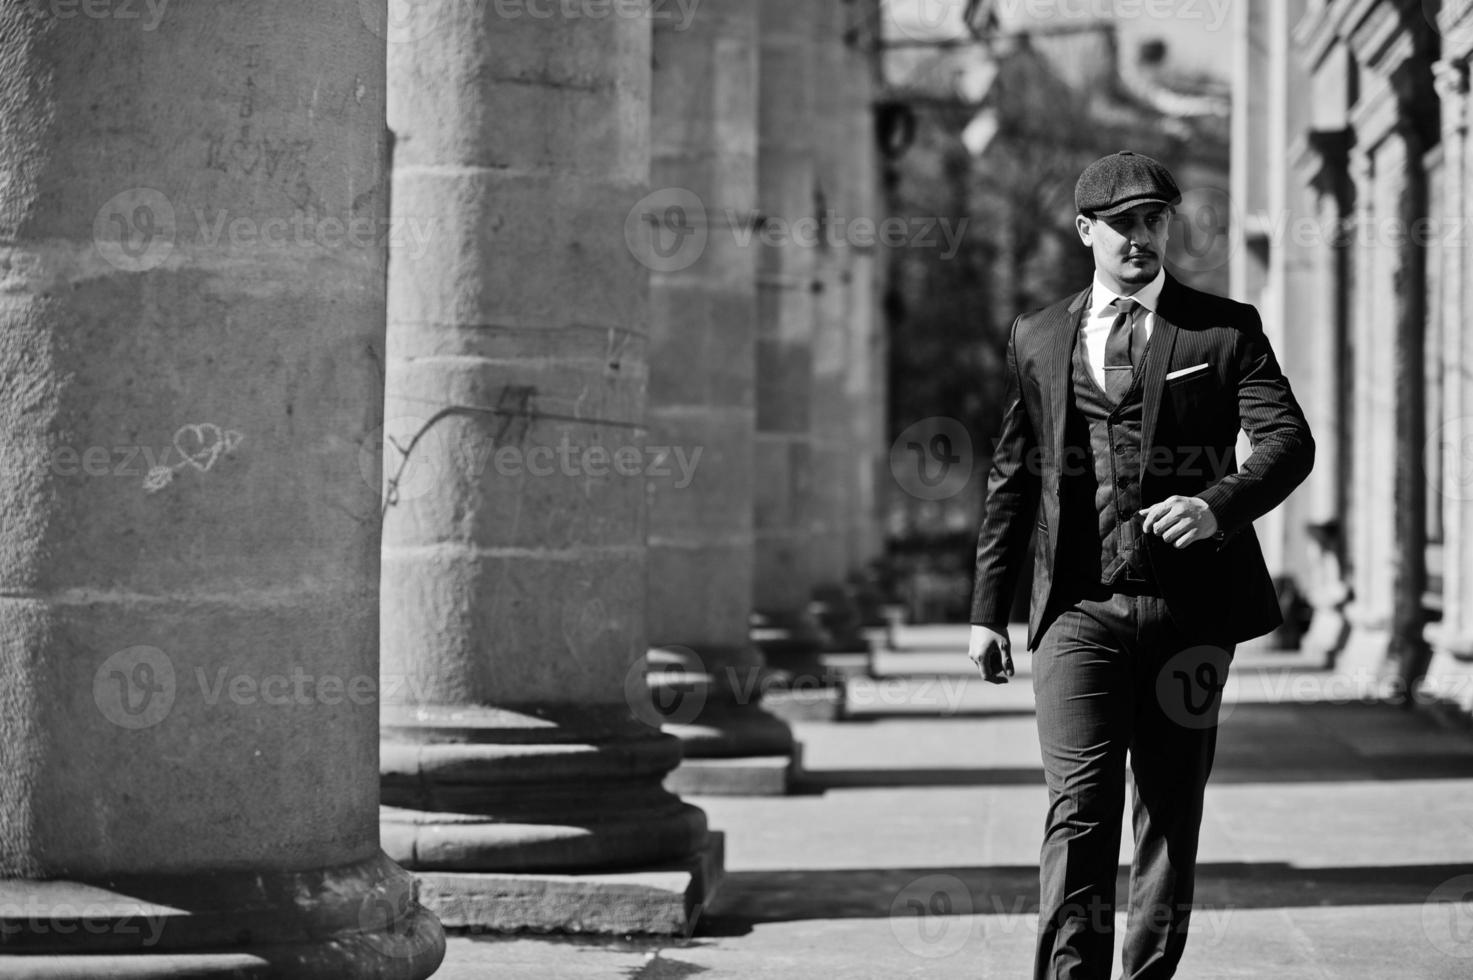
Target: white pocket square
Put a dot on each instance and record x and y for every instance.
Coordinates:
(1188, 370)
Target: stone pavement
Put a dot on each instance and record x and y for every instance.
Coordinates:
(1338, 842)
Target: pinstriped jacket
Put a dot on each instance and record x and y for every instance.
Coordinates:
(1212, 589)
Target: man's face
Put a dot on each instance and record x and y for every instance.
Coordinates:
(1128, 246)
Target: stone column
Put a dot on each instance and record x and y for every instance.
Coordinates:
(1389, 523)
(1408, 199)
(1321, 161)
(864, 387)
(1452, 638)
(707, 675)
(839, 321)
(833, 209)
(783, 449)
(192, 206)
(515, 512)
(1369, 524)
(1290, 302)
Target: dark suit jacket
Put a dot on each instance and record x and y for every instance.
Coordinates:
(1215, 590)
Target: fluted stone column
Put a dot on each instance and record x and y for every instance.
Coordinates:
(515, 557)
(786, 480)
(1321, 160)
(192, 206)
(707, 674)
(1389, 523)
(1369, 527)
(1451, 672)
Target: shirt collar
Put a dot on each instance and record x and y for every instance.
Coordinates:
(1149, 295)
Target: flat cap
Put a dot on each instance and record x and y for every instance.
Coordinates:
(1122, 181)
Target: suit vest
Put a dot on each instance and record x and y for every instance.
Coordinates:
(1100, 479)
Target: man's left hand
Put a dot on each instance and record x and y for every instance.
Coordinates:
(1179, 520)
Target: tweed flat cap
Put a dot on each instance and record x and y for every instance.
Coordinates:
(1122, 181)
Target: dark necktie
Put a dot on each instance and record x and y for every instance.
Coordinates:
(1122, 349)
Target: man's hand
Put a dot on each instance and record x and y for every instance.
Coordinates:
(1180, 520)
(992, 652)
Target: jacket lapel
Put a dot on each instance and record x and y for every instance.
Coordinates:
(1158, 361)
(1059, 369)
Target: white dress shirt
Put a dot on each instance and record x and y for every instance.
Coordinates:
(1096, 325)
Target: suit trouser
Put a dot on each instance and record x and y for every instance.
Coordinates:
(1111, 673)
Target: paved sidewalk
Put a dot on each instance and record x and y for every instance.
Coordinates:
(1338, 842)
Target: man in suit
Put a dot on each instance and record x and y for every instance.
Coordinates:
(1122, 411)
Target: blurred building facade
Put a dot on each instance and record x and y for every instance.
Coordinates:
(1350, 232)
(998, 126)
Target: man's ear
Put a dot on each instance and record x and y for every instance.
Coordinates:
(1085, 227)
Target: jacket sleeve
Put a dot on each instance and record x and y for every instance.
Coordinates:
(1011, 505)
(1283, 449)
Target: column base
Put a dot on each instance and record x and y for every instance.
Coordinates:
(834, 607)
(1366, 660)
(759, 775)
(712, 702)
(823, 702)
(728, 731)
(554, 790)
(360, 920)
(809, 688)
(788, 635)
(666, 900)
(1448, 686)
